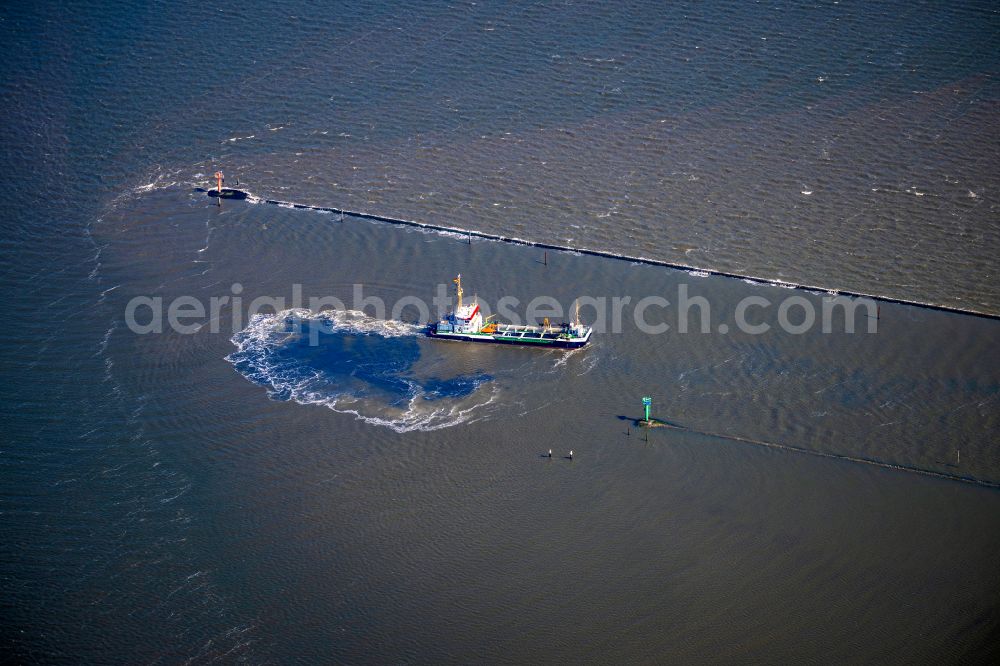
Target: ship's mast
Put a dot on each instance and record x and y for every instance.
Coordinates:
(577, 305)
(458, 281)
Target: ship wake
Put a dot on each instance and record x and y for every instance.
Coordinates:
(359, 365)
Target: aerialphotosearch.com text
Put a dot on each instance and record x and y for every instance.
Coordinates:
(654, 314)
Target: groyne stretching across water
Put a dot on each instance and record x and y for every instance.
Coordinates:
(239, 194)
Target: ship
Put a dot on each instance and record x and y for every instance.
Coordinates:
(467, 324)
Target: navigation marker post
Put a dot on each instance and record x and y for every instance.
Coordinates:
(647, 403)
(218, 189)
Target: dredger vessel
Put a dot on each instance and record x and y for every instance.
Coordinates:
(467, 324)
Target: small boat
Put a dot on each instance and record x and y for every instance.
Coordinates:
(467, 324)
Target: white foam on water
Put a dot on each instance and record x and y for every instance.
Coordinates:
(413, 419)
(256, 359)
(160, 183)
(345, 321)
(458, 235)
(103, 345)
(563, 357)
